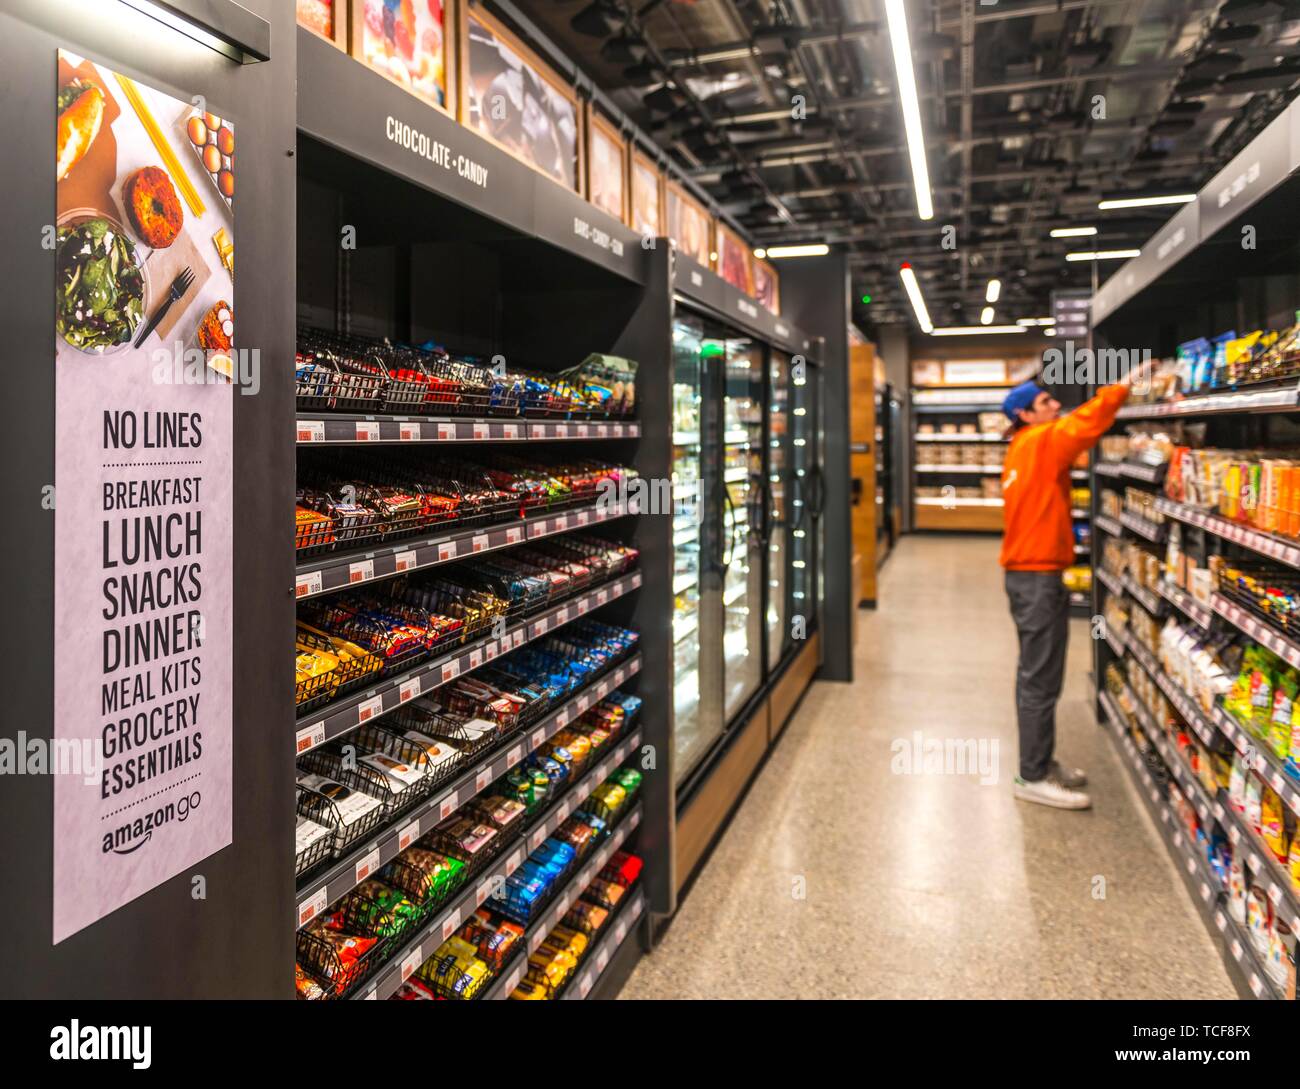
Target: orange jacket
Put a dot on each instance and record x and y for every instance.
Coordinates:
(1039, 534)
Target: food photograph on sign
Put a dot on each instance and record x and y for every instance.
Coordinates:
(644, 182)
(606, 166)
(146, 192)
(144, 358)
(689, 226)
(323, 17)
(766, 286)
(735, 260)
(512, 99)
(405, 40)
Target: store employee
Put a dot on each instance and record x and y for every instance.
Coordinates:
(1037, 547)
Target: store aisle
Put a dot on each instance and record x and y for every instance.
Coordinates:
(934, 885)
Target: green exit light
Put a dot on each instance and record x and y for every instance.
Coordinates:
(866, 299)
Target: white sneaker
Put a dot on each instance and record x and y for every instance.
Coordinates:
(1051, 791)
(1070, 778)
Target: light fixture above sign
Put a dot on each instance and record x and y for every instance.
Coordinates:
(221, 25)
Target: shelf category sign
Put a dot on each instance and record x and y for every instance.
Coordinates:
(144, 486)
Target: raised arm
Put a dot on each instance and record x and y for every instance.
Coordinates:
(1076, 432)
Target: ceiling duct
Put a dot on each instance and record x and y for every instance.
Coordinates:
(1172, 126)
(1234, 35)
(1093, 51)
(666, 99)
(1249, 11)
(1277, 78)
(1213, 65)
(601, 19)
(624, 49)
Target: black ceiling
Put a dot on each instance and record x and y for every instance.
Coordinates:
(786, 112)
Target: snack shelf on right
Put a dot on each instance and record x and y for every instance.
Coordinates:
(1198, 558)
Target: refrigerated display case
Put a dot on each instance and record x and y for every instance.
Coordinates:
(688, 342)
(744, 532)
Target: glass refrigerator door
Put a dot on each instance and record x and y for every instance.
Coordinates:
(697, 667)
(780, 509)
(742, 493)
(803, 523)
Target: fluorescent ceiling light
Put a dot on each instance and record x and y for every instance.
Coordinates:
(1102, 255)
(976, 330)
(986, 316)
(819, 249)
(1036, 321)
(760, 253)
(994, 291)
(1074, 232)
(1146, 202)
(907, 97)
(913, 288)
(1049, 332)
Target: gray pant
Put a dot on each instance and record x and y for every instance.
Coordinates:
(1040, 606)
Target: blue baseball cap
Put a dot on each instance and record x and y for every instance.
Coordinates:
(1021, 399)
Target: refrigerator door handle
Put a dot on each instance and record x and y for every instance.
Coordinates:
(819, 489)
(730, 552)
(760, 510)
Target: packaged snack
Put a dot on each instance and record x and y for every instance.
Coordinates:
(1284, 694)
(1237, 784)
(1261, 695)
(351, 805)
(347, 948)
(1237, 888)
(1271, 826)
(554, 965)
(1279, 962)
(586, 917)
(1254, 807)
(532, 988)
(455, 969)
(306, 987)
(468, 835)
(573, 942)
(1293, 862)
(397, 775)
(604, 892)
(629, 779)
(383, 900)
(623, 868)
(1259, 916)
(414, 990)
(437, 753)
(422, 874)
(494, 937)
(1237, 701)
(307, 834)
(500, 810)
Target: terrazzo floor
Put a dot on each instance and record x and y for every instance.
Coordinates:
(842, 877)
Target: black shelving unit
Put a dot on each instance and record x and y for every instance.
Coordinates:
(532, 288)
(1194, 278)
